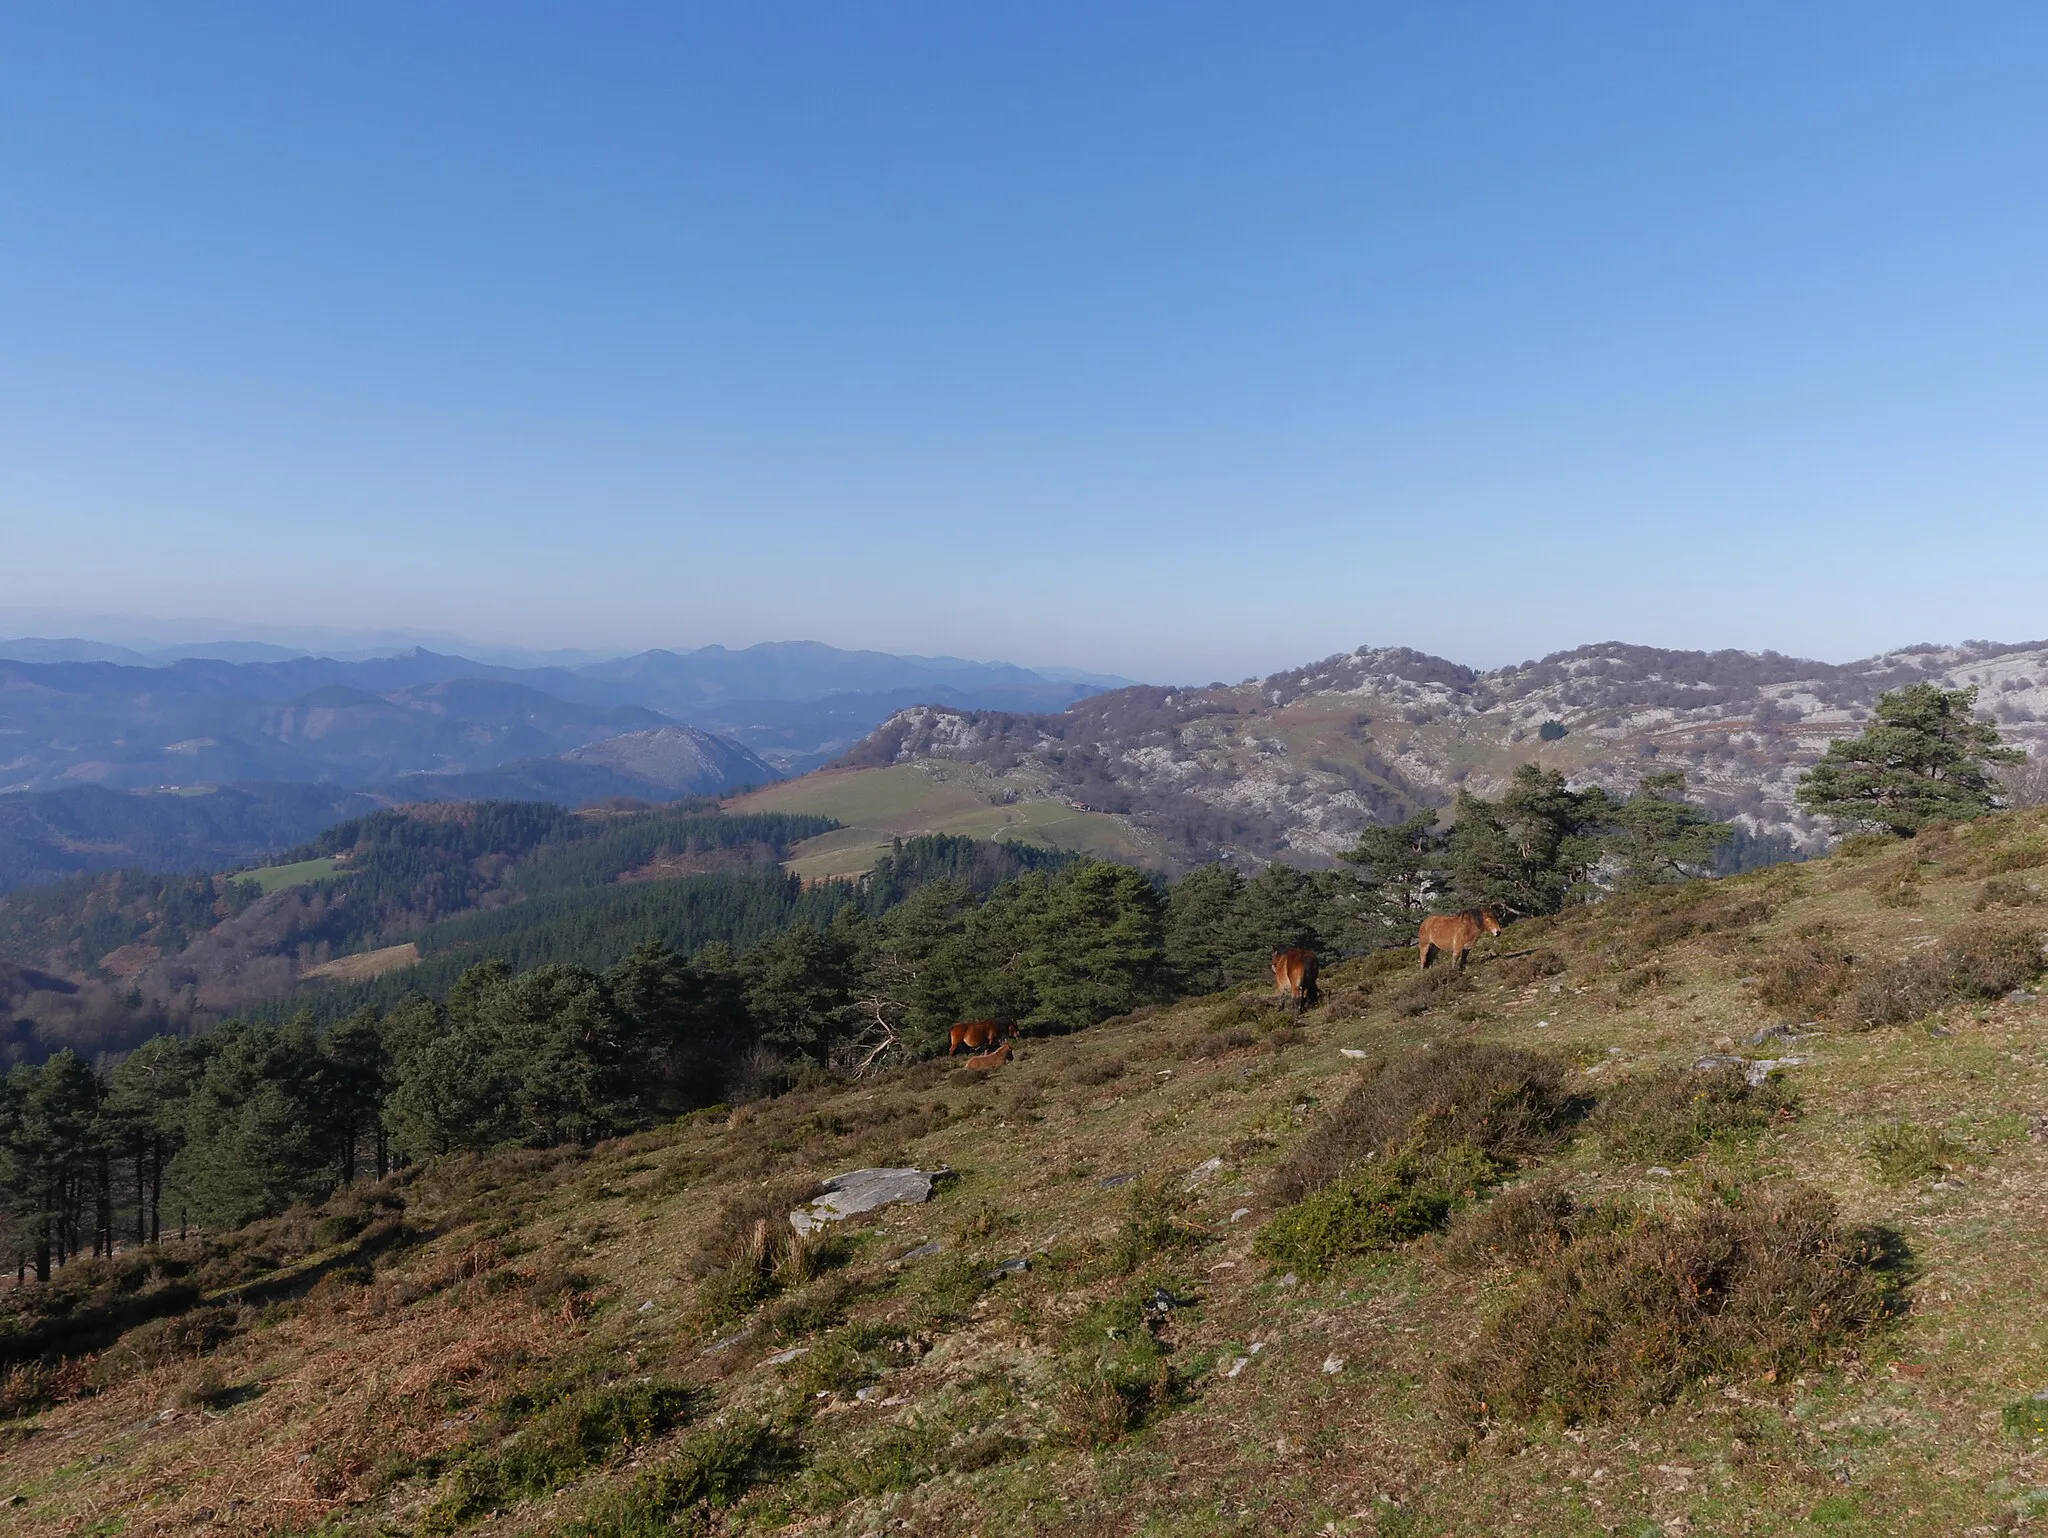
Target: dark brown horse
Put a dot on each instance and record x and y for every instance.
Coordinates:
(1454, 934)
(1294, 975)
(978, 1035)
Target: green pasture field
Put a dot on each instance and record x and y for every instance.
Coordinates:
(275, 878)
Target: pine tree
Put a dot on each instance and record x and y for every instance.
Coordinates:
(1533, 850)
(1924, 758)
(52, 1147)
(1402, 871)
(687, 1023)
(1204, 928)
(1657, 835)
(798, 987)
(1091, 943)
(254, 1126)
(355, 1072)
(151, 1089)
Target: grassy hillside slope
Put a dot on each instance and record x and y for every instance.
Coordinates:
(605, 1342)
(878, 806)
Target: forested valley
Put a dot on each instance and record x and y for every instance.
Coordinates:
(580, 1007)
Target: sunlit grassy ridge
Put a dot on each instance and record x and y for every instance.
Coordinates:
(614, 1342)
(879, 805)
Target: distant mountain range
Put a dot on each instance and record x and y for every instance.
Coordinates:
(416, 726)
(1290, 767)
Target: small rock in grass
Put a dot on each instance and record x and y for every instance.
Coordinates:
(1333, 1364)
(1238, 1366)
(1202, 1172)
(1015, 1267)
(1111, 1182)
(786, 1356)
(1658, 1169)
(1289, 1280)
(1242, 1212)
(922, 1252)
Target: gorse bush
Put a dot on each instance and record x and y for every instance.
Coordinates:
(566, 1439)
(1382, 1204)
(1668, 1116)
(1116, 1371)
(1627, 1319)
(715, 1467)
(1904, 1153)
(1505, 1103)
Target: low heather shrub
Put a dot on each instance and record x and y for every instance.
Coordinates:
(1766, 1284)
(1506, 1103)
(1668, 1116)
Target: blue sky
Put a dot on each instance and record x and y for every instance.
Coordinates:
(1182, 341)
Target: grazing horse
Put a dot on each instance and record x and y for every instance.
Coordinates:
(1294, 975)
(978, 1035)
(1454, 934)
(994, 1059)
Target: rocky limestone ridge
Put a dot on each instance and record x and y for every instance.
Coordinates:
(1295, 764)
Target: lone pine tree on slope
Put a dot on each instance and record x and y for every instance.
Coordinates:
(1925, 757)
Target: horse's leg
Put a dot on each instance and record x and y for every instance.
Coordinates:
(1428, 953)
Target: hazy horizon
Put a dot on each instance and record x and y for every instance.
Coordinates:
(155, 633)
(1175, 345)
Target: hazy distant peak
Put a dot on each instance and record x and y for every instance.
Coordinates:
(677, 758)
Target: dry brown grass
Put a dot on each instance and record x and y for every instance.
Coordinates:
(365, 965)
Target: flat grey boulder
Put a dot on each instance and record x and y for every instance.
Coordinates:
(859, 1191)
(1755, 1071)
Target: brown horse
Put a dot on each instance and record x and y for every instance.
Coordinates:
(1294, 975)
(1454, 934)
(978, 1035)
(994, 1059)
